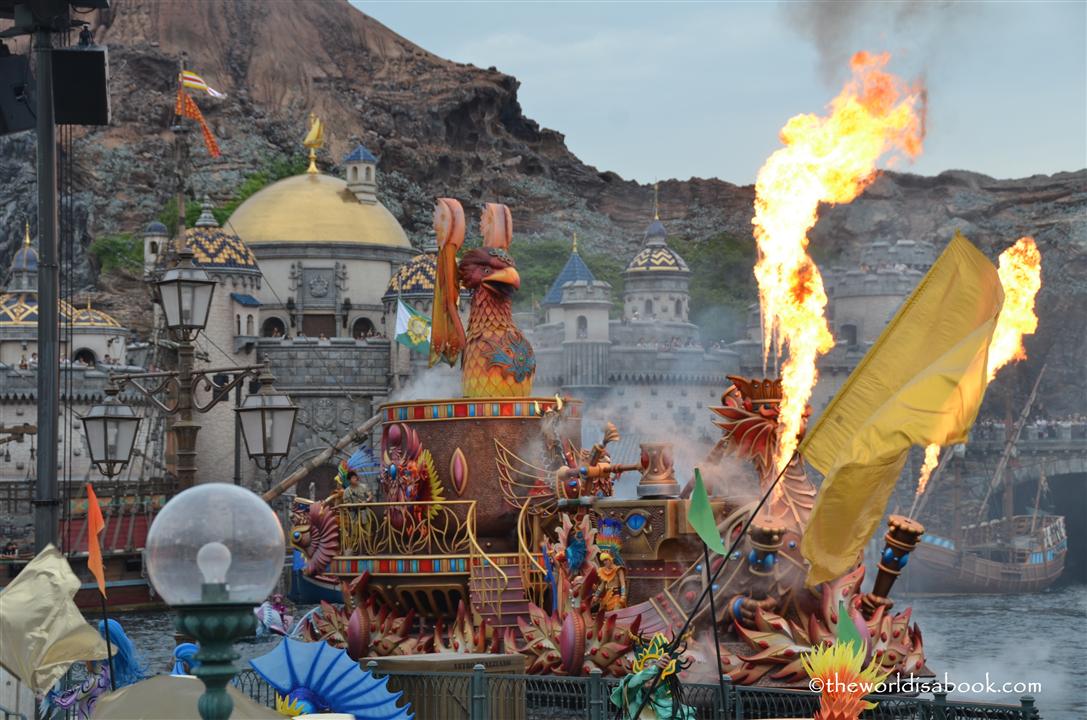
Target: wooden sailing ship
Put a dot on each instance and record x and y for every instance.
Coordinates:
(1009, 554)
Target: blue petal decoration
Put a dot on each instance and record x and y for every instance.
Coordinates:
(332, 677)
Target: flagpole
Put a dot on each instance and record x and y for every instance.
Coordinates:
(109, 645)
(713, 620)
(709, 586)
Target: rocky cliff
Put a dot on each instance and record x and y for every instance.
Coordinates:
(444, 128)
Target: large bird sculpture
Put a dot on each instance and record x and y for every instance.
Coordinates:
(496, 359)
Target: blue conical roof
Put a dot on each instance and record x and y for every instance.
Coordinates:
(575, 269)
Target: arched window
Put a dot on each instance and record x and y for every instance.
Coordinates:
(362, 327)
(248, 324)
(582, 327)
(154, 248)
(679, 308)
(85, 356)
(648, 309)
(238, 324)
(849, 335)
(273, 327)
(354, 174)
(369, 173)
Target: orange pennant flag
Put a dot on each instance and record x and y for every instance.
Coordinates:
(95, 525)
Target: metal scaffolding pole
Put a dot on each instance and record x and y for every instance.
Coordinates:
(46, 502)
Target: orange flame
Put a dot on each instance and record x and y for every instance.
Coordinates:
(932, 458)
(827, 159)
(1020, 271)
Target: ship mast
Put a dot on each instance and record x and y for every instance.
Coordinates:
(1005, 456)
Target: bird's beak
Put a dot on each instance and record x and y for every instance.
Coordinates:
(506, 276)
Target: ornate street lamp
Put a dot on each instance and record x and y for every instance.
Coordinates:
(186, 291)
(267, 419)
(214, 552)
(110, 428)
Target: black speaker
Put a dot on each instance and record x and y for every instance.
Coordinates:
(81, 85)
(16, 94)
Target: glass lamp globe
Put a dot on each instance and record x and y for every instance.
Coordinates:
(214, 543)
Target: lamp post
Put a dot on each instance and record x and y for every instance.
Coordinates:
(267, 419)
(110, 428)
(213, 553)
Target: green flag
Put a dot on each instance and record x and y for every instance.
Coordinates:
(700, 516)
(412, 327)
(847, 630)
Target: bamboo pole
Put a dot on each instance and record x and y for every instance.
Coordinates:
(317, 460)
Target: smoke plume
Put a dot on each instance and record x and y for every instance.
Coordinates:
(838, 28)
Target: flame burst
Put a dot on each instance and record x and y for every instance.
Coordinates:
(827, 159)
(932, 457)
(1020, 271)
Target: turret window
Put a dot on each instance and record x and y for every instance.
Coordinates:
(582, 327)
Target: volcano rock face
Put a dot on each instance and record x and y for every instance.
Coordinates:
(447, 129)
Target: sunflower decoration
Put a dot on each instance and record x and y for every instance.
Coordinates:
(840, 671)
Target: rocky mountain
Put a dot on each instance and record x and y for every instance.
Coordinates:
(444, 128)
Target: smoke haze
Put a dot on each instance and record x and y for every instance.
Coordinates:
(839, 28)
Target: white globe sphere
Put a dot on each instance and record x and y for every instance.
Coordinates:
(214, 533)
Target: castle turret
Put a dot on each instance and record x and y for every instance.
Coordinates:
(155, 241)
(575, 270)
(657, 280)
(361, 168)
(585, 305)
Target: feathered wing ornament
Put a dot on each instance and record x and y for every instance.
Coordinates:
(446, 331)
(312, 678)
(523, 483)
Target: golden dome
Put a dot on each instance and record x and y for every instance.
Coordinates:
(314, 208)
(20, 309)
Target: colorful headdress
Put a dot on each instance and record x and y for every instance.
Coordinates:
(362, 462)
(609, 539)
(649, 653)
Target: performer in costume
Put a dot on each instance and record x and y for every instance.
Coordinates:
(666, 703)
(128, 668)
(185, 659)
(611, 587)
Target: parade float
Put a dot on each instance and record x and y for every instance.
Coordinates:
(495, 530)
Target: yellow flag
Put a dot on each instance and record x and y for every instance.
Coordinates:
(921, 383)
(41, 630)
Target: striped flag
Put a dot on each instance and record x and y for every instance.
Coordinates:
(186, 107)
(193, 81)
(95, 524)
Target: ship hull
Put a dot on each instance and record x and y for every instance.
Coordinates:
(937, 565)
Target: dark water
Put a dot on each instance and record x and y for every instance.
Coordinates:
(1040, 637)
(1015, 638)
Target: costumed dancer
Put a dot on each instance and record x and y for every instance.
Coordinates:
(185, 659)
(611, 587)
(128, 668)
(666, 703)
